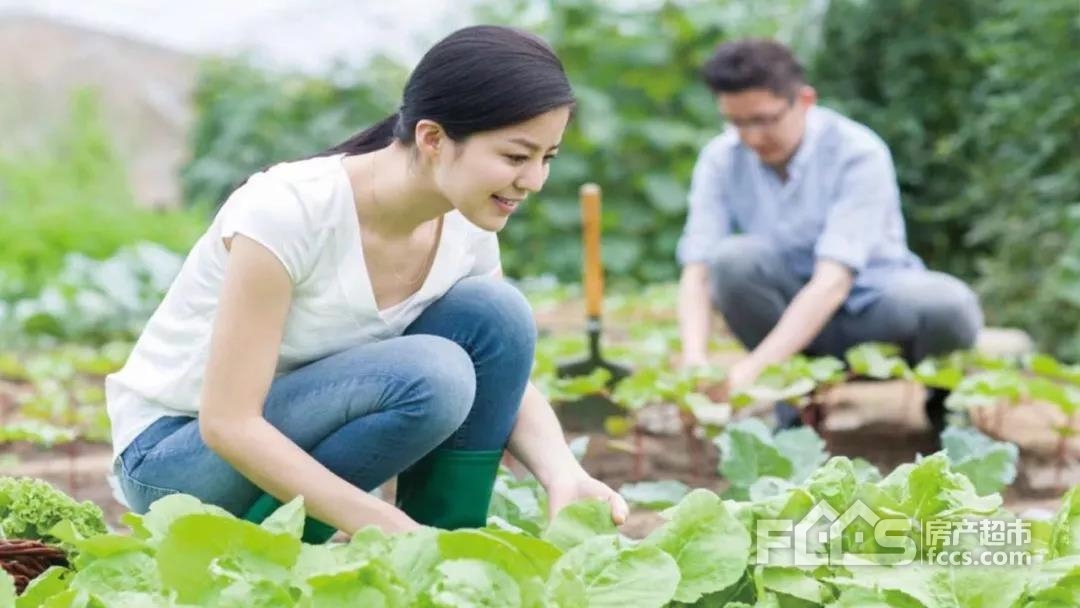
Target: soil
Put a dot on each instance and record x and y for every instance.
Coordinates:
(882, 422)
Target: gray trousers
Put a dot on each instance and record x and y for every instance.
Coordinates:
(925, 313)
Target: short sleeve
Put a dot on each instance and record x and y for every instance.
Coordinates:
(486, 255)
(707, 219)
(857, 220)
(270, 213)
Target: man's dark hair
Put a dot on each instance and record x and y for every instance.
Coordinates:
(753, 64)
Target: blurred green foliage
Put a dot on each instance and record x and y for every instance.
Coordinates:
(70, 195)
(250, 119)
(974, 98)
(977, 101)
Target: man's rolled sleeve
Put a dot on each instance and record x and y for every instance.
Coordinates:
(707, 220)
(858, 216)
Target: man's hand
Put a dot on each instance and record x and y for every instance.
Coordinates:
(741, 375)
(566, 490)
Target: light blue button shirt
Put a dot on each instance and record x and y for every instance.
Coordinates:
(840, 202)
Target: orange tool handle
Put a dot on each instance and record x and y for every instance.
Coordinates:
(594, 271)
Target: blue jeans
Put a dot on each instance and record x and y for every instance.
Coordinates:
(925, 313)
(455, 379)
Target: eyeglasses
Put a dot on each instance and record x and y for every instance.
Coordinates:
(763, 121)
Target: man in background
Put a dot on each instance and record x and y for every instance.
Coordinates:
(795, 234)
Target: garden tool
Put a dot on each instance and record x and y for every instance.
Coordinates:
(595, 408)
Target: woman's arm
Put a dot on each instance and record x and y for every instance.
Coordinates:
(254, 303)
(537, 441)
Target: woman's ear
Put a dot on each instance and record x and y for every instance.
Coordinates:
(430, 139)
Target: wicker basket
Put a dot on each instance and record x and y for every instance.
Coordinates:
(25, 560)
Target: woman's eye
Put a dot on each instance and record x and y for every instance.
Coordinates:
(549, 158)
(517, 159)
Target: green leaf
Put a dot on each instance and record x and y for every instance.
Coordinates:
(574, 388)
(523, 563)
(368, 542)
(329, 558)
(414, 556)
(877, 360)
(600, 573)
(166, 511)
(36, 432)
(1065, 527)
(463, 583)
(655, 495)
(836, 483)
(666, 194)
(194, 542)
(794, 582)
(7, 590)
(618, 426)
(1056, 582)
(1046, 365)
(989, 464)
(862, 597)
(579, 522)
(936, 373)
(941, 587)
(804, 448)
(518, 502)
(31, 508)
(287, 519)
(373, 583)
(747, 453)
(710, 546)
(928, 490)
(118, 574)
(52, 582)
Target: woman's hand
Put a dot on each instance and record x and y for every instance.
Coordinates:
(571, 488)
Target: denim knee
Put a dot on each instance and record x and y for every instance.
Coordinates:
(739, 261)
(442, 380)
(952, 316)
(500, 316)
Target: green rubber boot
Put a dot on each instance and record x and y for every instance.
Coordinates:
(449, 489)
(315, 531)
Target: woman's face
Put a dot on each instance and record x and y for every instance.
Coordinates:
(487, 176)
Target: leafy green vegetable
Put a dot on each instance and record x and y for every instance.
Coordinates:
(7, 590)
(578, 523)
(749, 452)
(655, 495)
(1065, 527)
(710, 546)
(30, 508)
(604, 573)
(877, 360)
(989, 464)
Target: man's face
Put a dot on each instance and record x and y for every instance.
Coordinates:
(770, 124)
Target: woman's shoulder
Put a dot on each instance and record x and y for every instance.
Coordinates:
(305, 193)
(315, 182)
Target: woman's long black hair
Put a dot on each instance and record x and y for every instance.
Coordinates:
(479, 78)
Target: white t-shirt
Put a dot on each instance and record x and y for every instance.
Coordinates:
(304, 213)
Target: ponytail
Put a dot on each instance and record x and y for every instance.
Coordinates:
(375, 137)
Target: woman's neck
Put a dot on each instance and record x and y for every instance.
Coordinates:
(391, 194)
